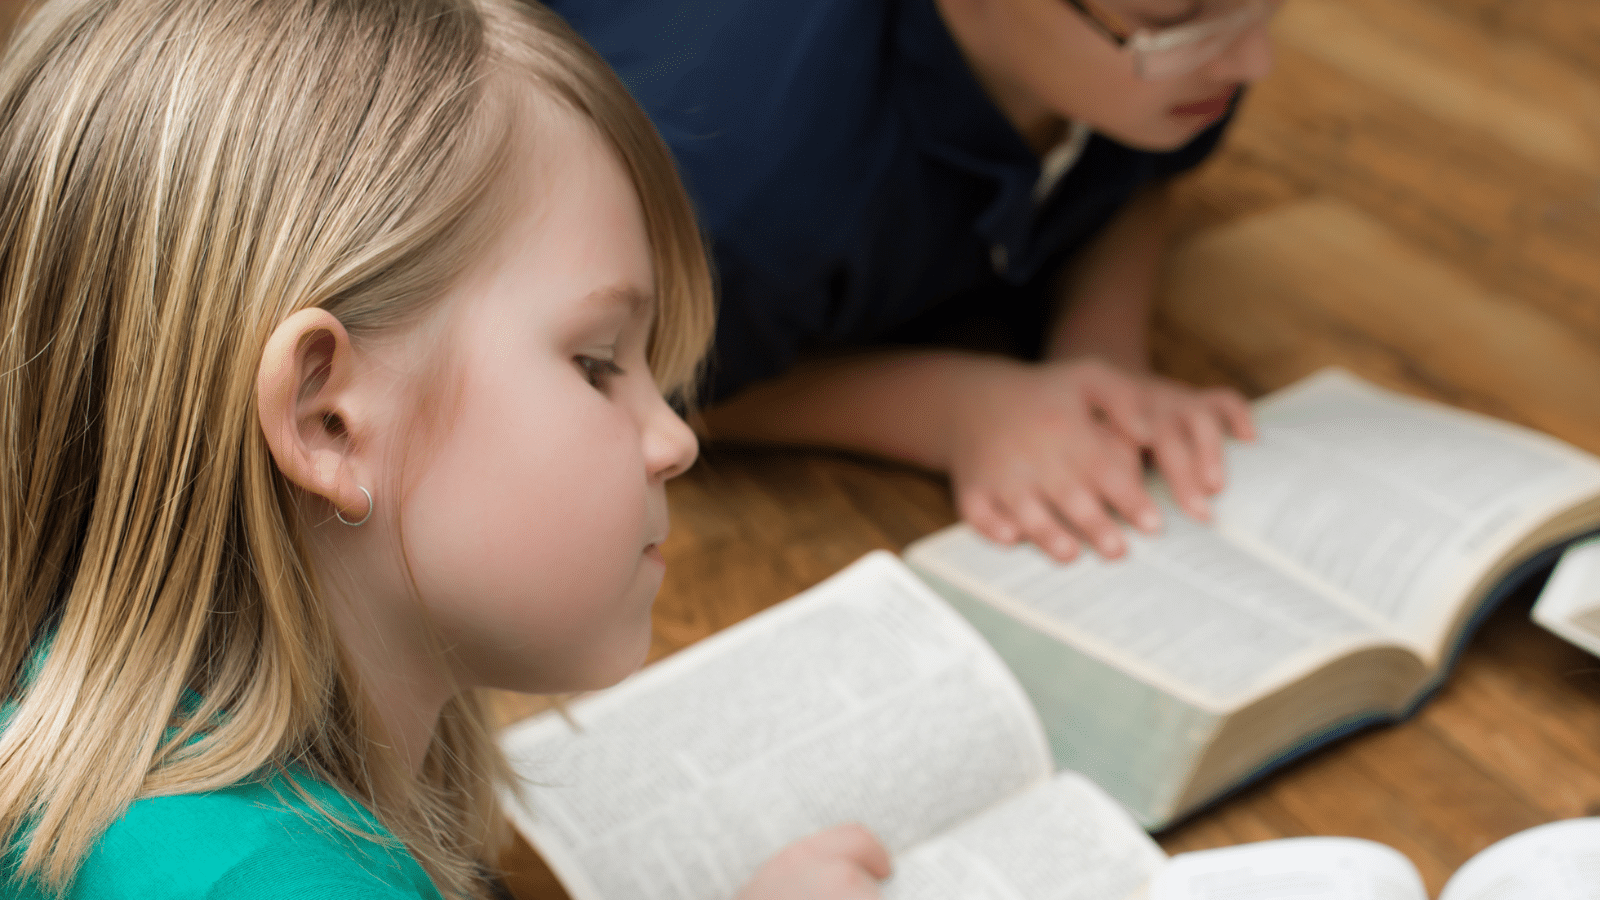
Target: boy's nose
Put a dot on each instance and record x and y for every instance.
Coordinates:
(1248, 58)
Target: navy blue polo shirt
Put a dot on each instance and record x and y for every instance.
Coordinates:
(853, 176)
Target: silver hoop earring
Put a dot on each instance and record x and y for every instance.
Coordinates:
(339, 514)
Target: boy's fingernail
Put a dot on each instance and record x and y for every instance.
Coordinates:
(1063, 548)
(1113, 546)
(1149, 520)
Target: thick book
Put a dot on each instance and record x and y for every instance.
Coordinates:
(868, 699)
(1357, 542)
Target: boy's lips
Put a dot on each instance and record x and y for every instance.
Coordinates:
(1211, 107)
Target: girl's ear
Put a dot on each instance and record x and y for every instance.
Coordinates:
(303, 396)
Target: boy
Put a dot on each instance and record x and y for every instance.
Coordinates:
(888, 184)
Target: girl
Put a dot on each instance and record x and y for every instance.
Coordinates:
(335, 340)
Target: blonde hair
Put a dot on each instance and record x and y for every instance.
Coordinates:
(176, 178)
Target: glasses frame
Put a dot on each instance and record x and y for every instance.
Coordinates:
(1110, 31)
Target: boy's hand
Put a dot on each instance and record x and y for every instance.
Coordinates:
(842, 863)
(1188, 425)
(1049, 453)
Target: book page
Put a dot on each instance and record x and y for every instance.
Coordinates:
(865, 699)
(1064, 839)
(1569, 604)
(1558, 861)
(1185, 609)
(1313, 868)
(1397, 503)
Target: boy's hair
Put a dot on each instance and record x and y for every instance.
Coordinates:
(176, 178)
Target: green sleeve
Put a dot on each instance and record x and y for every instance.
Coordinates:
(291, 873)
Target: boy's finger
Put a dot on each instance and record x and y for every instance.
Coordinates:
(1178, 467)
(1121, 400)
(1124, 492)
(854, 843)
(1084, 510)
(1235, 411)
(979, 510)
(1040, 526)
(1205, 435)
(1118, 478)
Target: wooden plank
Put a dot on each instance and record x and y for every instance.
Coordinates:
(1493, 87)
(1527, 706)
(1510, 226)
(1564, 28)
(1320, 283)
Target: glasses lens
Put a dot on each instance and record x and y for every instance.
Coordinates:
(1177, 51)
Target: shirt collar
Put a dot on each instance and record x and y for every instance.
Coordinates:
(955, 120)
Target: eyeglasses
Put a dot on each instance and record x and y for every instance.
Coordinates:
(1170, 52)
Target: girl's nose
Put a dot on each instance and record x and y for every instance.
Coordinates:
(670, 446)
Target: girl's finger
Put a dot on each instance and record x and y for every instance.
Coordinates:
(855, 844)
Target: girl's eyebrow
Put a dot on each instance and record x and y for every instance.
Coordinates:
(624, 294)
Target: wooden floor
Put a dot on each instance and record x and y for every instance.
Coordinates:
(1414, 194)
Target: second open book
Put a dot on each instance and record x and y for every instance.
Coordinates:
(867, 699)
(1569, 604)
(1356, 542)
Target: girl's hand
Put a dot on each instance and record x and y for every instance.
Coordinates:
(1050, 453)
(842, 863)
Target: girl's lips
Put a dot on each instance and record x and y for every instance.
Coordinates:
(1210, 108)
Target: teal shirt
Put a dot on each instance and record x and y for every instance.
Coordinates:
(253, 841)
(256, 840)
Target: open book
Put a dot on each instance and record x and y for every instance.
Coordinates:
(867, 699)
(1558, 861)
(1569, 604)
(1356, 543)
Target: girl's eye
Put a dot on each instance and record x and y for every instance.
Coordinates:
(598, 371)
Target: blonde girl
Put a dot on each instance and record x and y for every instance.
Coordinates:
(335, 339)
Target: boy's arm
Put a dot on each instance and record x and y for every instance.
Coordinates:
(1034, 451)
(1046, 452)
(1105, 293)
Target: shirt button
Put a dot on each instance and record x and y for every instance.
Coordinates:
(999, 258)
